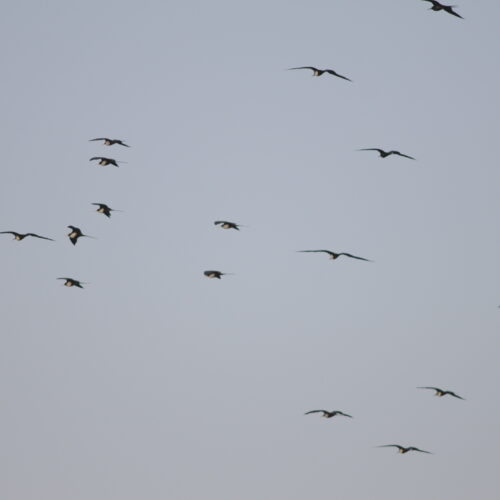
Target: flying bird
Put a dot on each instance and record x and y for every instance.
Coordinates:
(402, 449)
(75, 234)
(224, 224)
(447, 8)
(72, 282)
(104, 209)
(441, 393)
(319, 72)
(329, 414)
(110, 142)
(20, 237)
(105, 161)
(334, 255)
(214, 274)
(385, 154)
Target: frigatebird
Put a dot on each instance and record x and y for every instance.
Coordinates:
(105, 161)
(319, 72)
(104, 209)
(72, 282)
(440, 392)
(75, 234)
(447, 8)
(334, 255)
(402, 449)
(385, 154)
(224, 224)
(329, 414)
(20, 237)
(214, 274)
(110, 142)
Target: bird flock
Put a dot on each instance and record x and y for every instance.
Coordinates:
(76, 233)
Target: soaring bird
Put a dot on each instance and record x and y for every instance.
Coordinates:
(104, 209)
(214, 274)
(441, 393)
(224, 224)
(329, 414)
(19, 236)
(319, 72)
(110, 142)
(447, 8)
(385, 154)
(105, 161)
(334, 255)
(75, 234)
(402, 449)
(71, 282)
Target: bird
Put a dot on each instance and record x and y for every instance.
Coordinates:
(334, 255)
(214, 274)
(20, 237)
(440, 393)
(402, 449)
(110, 142)
(447, 8)
(224, 224)
(319, 72)
(71, 282)
(329, 414)
(75, 234)
(104, 209)
(385, 154)
(105, 161)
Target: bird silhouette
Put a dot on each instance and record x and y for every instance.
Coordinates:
(441, 392)
(20, 237)
(385, 154)
(105, 161)
(110, 142)
(224, 224)
(319, 72)
(334, 255)
(76, 233)
(402, 449)
(447, 8)
(329, 414)
(104, 209)
(72, 282)
(214, 274)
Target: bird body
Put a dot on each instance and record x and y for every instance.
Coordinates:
(436, 6)
(334, 255)
(20, 237)
(385, 154)
(105, 161)
(71, 282)
(329, 414)
(224, 224)
(75, 234)
(440, 392)
(110, 142)
(319, 72)
(214, 274)
(403, 449)
(104, 209)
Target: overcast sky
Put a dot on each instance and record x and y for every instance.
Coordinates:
(157, 383)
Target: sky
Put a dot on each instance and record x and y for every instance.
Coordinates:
(155, 382)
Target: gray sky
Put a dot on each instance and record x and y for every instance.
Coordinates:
(155, 382)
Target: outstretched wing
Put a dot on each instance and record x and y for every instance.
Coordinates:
(401, 154)
(454, 395)
(316, 251)
(38, 236)
(334, 73)
(315, 411)
(434, 388)
(372, 149)
(312, 68)
(99, 139)
(354, 256)
(412, 448)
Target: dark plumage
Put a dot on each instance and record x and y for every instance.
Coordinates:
(402, 449)
(329, 414)
(104, 209)
(71, 282)
(385, 154)
(20, 237)
(334, 255)
(319, 72)
(224, 224)
(75, 234)
(441, 392)
(447, 8)
(110, 142)
(105, 161)
(214, 274)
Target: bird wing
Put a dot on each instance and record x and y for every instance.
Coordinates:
(412, 448)
(121, 143)
(450, 10)
(99, 139)
(317, 251)
(336, 74)
(454, 395)
(96, 158)
(38, 236)
(401, 154)
(390, 446)
(372, 149)
(8, 232)
(316, 411)
(220, 222)
(434, 388)
(354, 256)
(312, 68)
(344, 414)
